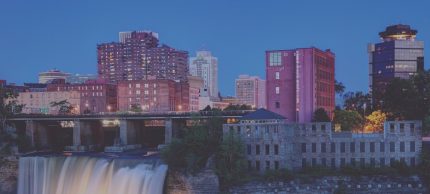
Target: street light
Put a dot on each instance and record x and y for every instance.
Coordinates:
(109, 108)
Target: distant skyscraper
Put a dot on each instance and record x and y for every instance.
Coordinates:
(205, 65)
(251, 90)
(299, 81)
(138, 57)
(46, 77)
(398, 55)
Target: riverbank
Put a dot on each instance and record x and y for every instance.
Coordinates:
(335, 184)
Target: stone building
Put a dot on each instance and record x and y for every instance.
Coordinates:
(273, 143)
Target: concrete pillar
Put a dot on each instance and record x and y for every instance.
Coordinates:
(77, 133)
(29, 131)
(127, 131)
(168, 131)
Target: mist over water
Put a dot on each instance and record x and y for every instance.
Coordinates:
(89, 175)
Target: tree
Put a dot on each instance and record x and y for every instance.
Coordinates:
(64, 107)
(9, 107)
(136, 108)
(357, 101)
(199, 142)
(375, 122)
(320, 115)
(349, 120)
(403, 101)
(230, 160)
(238, 107)
(207, 108)
(339, 88)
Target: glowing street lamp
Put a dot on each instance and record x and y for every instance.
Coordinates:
(109, 108)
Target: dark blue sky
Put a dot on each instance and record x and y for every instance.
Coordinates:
(40, 35)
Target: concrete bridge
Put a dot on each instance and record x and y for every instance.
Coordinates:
(113, 131)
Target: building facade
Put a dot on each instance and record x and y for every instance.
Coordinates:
(300, 81)
(148, 95)
(47, 77)
(159, 95)
(96, 96)
(205, 65)
(138, 56)
(251, 90)
(80, 78)
(40, 102)
(399, 55)
(272, 143)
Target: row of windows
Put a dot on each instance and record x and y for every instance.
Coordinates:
(267, 129)
(268, 166)
(402, 127)
(275, 149)
(361, 147)
(275, 59)
(355, 162)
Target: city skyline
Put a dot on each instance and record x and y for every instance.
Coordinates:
(71, 48)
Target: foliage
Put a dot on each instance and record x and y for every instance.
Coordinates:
(135, 108)
(357, 101)
(426, 125)
(375, 122)
(207, 108)
(320, 115)
(339, 88)
(198, 143)
(349, 120)
(424, 166)
(8, 108)
(275, 175)
(64, 107)
(403, 101)
(230, 160)
(238, 107)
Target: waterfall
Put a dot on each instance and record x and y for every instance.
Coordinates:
(89, 175)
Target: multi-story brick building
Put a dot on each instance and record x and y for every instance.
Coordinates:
(148, 95)
(95, 95)
(40, 102)
(159, 95)
(299, 81)
(137, 57)
(272, 143)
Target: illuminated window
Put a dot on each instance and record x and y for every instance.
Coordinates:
(277, 90)
(137, 85)
(276, 75)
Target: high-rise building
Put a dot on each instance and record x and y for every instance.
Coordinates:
(399, 55)
(299, 81)
(138, 57)
(251, 90)
(205, 65)
(46, 77)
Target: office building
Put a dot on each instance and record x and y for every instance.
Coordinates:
(251, 90)
(205, 65)
(399, 55)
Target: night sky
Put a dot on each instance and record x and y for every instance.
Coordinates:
(40, 35)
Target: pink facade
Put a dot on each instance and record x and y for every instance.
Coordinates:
(95, 96)
(300, 81)
(148, 95)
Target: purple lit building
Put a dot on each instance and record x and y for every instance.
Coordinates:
(299, 81)
(139, 57)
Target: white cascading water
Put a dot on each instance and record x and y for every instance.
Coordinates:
(88, 175)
